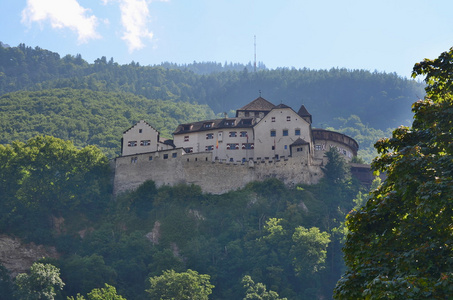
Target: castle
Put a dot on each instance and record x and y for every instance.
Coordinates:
(263, 141)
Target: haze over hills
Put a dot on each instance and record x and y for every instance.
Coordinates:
(359, 103)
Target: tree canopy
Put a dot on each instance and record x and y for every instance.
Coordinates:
(43, 282)
(399, 244)
(186, 285)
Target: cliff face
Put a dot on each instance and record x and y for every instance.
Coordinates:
(18, 257)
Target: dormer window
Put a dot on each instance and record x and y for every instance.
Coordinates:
(208, 125)
(187, 127)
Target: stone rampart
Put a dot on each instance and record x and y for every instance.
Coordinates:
(172, 167)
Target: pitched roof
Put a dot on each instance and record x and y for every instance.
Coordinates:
(141, 121)
(281, 105)
(299, 142)
(303, 112)
(215, 124)
(259, 104)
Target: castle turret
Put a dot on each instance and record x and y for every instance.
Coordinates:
(303, 112)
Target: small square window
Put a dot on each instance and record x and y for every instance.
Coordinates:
(150, 158)
(286, 147)
(273, 133)
(174, 155)
(273, 119)
(232, 134)
(165, 156)
(209, 136)
(186, 138)
(140, 130)
(285, 132)
(288, 118)
(297, 132)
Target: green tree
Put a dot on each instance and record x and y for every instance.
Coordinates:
(185, 285)
(399, 244)
(107, 293)
(43, 282)
(258, 291)
(309, 250)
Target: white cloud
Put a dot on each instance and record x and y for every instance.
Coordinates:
(62, 14)
(134, 18)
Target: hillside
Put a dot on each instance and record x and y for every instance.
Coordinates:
(56, 195)
(89, 117)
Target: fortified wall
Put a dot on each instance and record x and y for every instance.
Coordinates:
(170, 167)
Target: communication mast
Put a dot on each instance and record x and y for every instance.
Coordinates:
(254, 64)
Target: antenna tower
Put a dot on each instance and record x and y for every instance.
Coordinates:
(254, 64)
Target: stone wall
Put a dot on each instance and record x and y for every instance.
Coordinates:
(172, 167)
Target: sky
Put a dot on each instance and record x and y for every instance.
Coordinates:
(381, 35)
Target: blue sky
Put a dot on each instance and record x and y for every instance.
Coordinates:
(383, 35)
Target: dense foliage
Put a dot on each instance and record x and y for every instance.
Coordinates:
(400, 242)
(47, 178)
(88, 117)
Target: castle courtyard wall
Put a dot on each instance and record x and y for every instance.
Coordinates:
(213, 177)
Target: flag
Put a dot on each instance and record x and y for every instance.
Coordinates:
(217, 144)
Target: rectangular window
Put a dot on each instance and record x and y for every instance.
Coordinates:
(165, 156)
(285, 132)
(273, 133)
(288, 118)
(207, 125)
(140, 130)
(318, 147)
(209, 148)
(297, 132)
(188, 150)
(150, 158)
(174, 155)
(286, 147)
(248, 146)
(299, 149)
(232, 134)
(273, 147)
(243, 133)
(186, 138)
(133, 160)
(233, 146)
(273, 119)
(145, 143)
(132, 144)
(209, 136)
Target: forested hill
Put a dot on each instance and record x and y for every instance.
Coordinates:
(337, 98)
